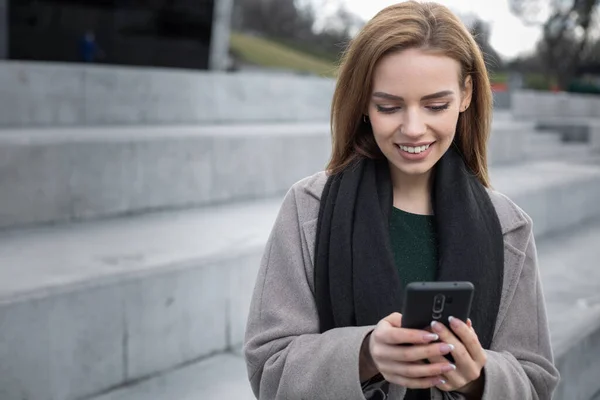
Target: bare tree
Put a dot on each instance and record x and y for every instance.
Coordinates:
(567, 26)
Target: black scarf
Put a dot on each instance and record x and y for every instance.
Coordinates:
(356, 280)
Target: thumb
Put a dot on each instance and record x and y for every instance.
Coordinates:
(394, 319)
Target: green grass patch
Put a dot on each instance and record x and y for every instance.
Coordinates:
(268, 53)
(499, 77)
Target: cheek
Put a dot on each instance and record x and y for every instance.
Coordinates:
(445, 127)
(384, 126)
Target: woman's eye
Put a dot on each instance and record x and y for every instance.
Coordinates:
(439, 107)
(388, 110)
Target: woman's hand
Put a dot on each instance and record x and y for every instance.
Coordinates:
(402, 364)
(469, 357)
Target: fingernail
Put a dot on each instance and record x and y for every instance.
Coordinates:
(453, 321)
(436, 326)
(441, 382)
(431, 337)
(446, 348)
(448, 368)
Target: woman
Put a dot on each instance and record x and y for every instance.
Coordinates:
(406, 197)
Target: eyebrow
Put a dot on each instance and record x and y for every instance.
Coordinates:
(437, 95)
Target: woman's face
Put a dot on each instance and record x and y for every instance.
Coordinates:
(414, 108)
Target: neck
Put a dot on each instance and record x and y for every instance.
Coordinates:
(412, 193)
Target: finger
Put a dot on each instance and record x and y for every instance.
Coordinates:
(385, 353)
(415, 383)
(469, 323)
(469, 339)
(422, 352)
(453, 378)
(395, 336)
(418, 370)
(394, 319)
(461, 356)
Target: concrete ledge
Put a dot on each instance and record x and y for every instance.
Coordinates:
(595, 138)
(220, 377)
(56, 175)
(133, 297)
(579, 364)
(506, 143)
(56, 94)
(557, 195)
(531, 104)
(573, 308)
(571, 129)
(575, 129)
(124, 299)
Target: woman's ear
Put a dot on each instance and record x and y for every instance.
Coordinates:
(467, 93)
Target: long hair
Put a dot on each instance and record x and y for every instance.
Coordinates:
(428, 26)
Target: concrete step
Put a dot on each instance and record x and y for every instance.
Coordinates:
(574, 317)
(550, 145)
(220, 377)
(572, 129)
(506, 140)
(64, 174)
(564, 151)
(92, 306)
(73, 94)
(570, 274)
(544, 138)
(55, 175)
(88, 307)
(532, 104)
(545, 189)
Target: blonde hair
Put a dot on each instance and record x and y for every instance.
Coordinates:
(411, 24)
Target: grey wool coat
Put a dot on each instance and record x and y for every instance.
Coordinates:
(287, 357)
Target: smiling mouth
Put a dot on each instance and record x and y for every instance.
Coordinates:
(414, 149)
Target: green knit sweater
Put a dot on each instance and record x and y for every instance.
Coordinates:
(414, 244)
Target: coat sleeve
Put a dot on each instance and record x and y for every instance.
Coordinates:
(520, 361)
(285, 354)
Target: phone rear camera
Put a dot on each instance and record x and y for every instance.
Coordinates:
(438, 303)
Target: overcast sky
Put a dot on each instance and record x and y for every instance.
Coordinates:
(510, 37)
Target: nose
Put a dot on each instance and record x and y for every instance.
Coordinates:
(413, 124)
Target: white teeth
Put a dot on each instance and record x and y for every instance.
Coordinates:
(414, 149)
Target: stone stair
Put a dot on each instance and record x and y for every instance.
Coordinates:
(574, 316)
(128, 255)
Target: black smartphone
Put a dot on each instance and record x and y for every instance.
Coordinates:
(436, 301)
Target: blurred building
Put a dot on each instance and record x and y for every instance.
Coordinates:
(167, 33)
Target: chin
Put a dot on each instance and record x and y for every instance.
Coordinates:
(413, 170)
